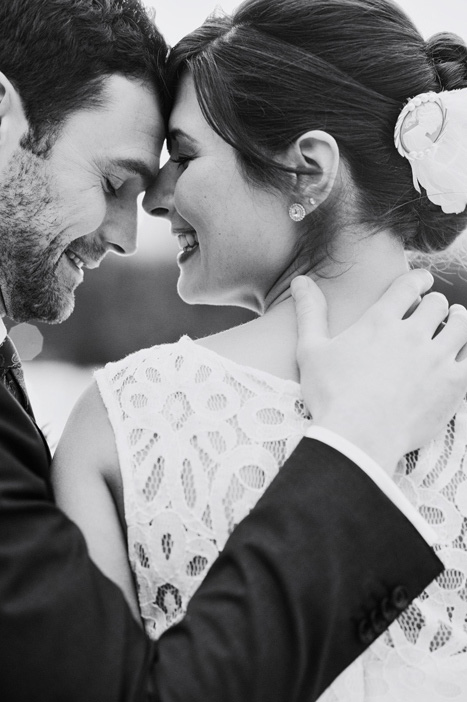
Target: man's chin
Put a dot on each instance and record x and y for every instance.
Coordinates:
(59, 317)
(50, 311)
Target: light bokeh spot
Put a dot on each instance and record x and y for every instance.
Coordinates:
(28, 341)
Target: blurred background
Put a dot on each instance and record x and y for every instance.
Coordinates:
(131, 303)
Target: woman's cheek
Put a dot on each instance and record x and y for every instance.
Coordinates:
(187, 204)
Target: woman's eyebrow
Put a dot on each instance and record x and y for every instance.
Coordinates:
(178, 133)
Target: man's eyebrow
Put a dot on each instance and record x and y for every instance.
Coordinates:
(136, 166)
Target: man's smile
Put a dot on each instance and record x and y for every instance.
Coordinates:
(74, 258)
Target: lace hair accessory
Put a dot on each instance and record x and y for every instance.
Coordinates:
(431, 133)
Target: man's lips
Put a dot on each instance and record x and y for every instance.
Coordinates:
(81, 261)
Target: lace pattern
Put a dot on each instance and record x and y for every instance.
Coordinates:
(199, 440)
(423, 655)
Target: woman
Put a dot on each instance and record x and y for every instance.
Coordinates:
(282, 161)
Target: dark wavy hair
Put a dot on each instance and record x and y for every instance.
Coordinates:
(58, 53)
(278, 68)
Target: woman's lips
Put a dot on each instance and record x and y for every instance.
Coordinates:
(187, 239)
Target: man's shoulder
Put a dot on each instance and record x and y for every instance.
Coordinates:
(10, 409)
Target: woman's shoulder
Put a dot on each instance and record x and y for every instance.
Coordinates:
(151, 386)
(189, 361)
(263, 347)
(158, 366)
(142, 357)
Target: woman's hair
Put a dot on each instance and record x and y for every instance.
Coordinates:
(276, 69)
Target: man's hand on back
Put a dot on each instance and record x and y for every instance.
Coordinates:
(389, 383)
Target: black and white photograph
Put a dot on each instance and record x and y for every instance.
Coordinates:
(233, 351)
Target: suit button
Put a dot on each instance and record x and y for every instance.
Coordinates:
(388, 610)
(378, 622)
(400, 598)
(365, 632)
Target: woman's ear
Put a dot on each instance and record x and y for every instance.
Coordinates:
(315, 156)
(13, 122)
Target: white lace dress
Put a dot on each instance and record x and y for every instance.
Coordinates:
(200, 438)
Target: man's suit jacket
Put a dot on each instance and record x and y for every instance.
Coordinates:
(318, 569)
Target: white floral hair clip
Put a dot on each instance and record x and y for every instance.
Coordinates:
(431, 133)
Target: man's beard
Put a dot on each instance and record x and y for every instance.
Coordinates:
(31, 243)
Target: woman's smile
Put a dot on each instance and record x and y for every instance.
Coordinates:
(238, 235)
(187, 242)
(187, 238)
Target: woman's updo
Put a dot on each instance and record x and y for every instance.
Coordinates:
(448, 52)
(276, 69)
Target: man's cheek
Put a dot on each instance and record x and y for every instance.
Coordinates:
(86, 215)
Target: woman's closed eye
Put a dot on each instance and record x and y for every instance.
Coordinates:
(181, 160)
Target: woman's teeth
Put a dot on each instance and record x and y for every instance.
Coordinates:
(187, 241)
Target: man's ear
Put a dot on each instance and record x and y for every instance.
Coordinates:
(315, 156)
(13, 122)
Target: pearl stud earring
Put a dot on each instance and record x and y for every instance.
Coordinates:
(312, 201)
(297, 212)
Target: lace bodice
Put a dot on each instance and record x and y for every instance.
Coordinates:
(199, 439)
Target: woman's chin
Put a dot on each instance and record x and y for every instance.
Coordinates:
(196, 292)
(201, 295)
(189, 292)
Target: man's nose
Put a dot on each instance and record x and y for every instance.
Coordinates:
(120, 230)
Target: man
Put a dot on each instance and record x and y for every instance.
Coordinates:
(303, 585)
(80, 121)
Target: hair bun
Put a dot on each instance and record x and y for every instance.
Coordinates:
(448, 52)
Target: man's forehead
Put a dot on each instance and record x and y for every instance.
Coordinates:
(131, 112)
(123, 136)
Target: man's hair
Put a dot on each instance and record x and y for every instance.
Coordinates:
(58, 54)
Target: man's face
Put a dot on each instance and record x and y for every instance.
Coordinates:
(64, 213)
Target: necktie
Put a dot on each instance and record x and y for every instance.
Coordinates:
(11, 374)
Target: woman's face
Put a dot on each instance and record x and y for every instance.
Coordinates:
(236, 239)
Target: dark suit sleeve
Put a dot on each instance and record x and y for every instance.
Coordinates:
(294, 597)
(66, 634)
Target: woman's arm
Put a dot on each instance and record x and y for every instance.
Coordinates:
(87, 485)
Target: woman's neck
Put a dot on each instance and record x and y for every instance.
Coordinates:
(268, 343)
(368, 268)
(377, 261)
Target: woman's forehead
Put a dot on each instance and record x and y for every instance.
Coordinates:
(186, 120)
(185, 102)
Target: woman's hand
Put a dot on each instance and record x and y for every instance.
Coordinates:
(388, 384)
